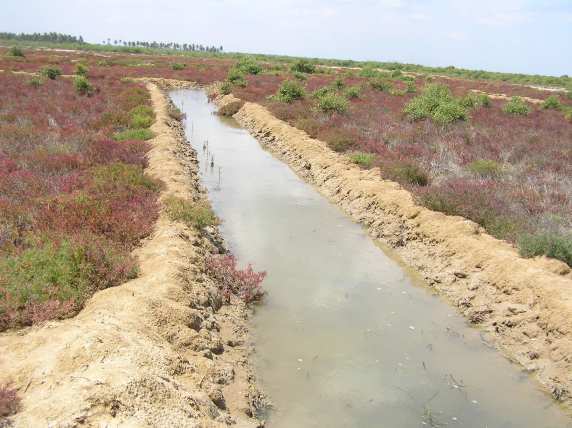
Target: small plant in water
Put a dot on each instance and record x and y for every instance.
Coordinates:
(245, 283)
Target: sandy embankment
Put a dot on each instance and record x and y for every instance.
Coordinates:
(156, 351)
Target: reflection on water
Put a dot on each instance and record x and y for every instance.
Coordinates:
(344, 338)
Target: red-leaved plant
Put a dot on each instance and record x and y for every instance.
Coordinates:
(9, 401)
(245, 283)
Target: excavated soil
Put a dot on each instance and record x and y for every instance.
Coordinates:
(160, 350)
(522, 306)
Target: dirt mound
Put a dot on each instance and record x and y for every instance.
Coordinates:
(523, 306)
(157, 351)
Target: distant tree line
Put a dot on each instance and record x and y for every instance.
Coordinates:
(188, 47)
(42, 37)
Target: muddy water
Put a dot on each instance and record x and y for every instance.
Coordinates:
(346, 337)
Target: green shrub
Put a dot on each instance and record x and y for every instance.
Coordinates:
(332, 103)
(364, 160)
(51, 72)
(405, 172)
(249, 66)
(81, 70)
(324, 90)
(437, 103)
(141, 117)
(123, 175)
(226, 88)
(61, 272)
(550, 245)
(353, 92)
(568, 114)
(517, 106)
(396, 73)
(338, 84)
(397, 92)
(475, 100)
(16, 51)
(236, 77)
(449, 112)
(411, 88)
(552, 102)
(177, 66)
(299, 76)
(82, 85)
(381, 84)
(303, 66)
(141, 134)
(369, 72)
(36, 82)
(290, 91)
(485, 168)
(194, 214)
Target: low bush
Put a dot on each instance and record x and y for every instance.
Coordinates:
(479, 201)
(81, 70)
(333, 103)
(245, 283)
(381, 84)
(236, 77)
(249, 65)
(568, 114)
(353, 92)
(437, 103)
(53, 279)
(475, 100)
(449, 112)
(141, 134)
(226, 88)
(193, 214)
(365, 160)
(9, 402)
(303, 66)
(406, 173)
(309, 125)
(141, 117)
(16, 52)
(82, 85)
(36, 82)
(552, 102)
(177, 66)
(550, 245)
(411, 88)
(338, 140)
(290, 91)
(517, 106)
(485, 168)
(369, 72)
(51, 72)
(299, 76)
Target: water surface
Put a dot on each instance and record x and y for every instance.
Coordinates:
(345, 337)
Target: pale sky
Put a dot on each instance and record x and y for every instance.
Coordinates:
(530, 36)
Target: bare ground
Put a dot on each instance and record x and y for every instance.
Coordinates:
(522, 306)
(156, 351)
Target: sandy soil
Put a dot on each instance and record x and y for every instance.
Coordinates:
(156, 351)
(523, 306)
